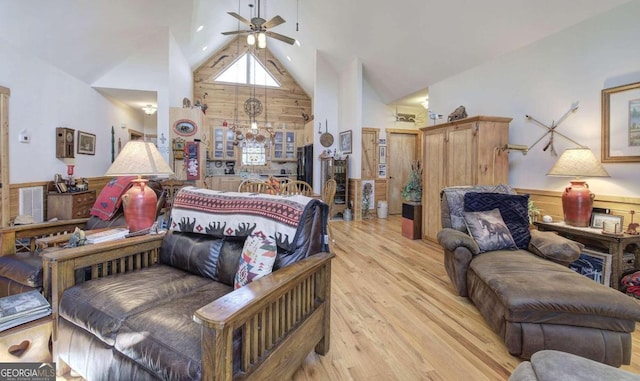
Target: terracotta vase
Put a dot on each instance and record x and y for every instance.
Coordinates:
(577, 202)
(139, 206)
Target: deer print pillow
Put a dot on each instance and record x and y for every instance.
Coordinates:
(489, 230)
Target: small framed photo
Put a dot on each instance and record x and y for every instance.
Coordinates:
(595, 265)
(86, 143)
(383, 155)
(598, 219)
(345, 141)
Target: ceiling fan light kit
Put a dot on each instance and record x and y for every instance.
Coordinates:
(262, 28)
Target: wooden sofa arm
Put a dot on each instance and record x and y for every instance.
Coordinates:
(119, 256)
(9, 235)
(281, 317)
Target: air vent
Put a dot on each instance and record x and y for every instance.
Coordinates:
(30, 203)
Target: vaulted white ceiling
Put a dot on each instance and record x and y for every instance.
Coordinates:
(404, 45)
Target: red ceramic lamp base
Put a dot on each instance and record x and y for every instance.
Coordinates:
(139, 204)
(577, 203)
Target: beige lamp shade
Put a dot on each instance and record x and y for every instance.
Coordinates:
(139, 158)
(578, 162)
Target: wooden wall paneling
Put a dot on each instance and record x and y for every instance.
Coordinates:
(4, 157)
(284, 105)
(355, 196)
(550, 203)
(369, 153)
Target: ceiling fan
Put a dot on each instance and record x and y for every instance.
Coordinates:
(260, 27)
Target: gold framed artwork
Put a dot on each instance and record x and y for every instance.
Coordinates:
(621, 124)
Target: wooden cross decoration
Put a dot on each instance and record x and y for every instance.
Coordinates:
(551, 130)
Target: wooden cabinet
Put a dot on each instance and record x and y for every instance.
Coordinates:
(227, 183)
(464, 152)
(222, 147)
(69, 206)
(187, 133)
(337, 170)
(284, 146)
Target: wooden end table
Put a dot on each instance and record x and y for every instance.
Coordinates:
(593, 238)
(28, 342)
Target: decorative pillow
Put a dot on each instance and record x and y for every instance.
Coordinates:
(489, 230)
(110, 197)
(257, 259)
(453, 207)
(555, 248)
(514, 210)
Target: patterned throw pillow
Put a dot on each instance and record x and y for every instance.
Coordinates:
(257, 259)
(489, 230)
(455, 202)
(514, 209)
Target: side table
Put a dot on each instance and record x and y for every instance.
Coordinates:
(412, 220)
(28, 342)
(593, 238)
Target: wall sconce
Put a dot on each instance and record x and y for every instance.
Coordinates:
(149, 109)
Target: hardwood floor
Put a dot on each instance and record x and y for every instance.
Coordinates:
(395, 315)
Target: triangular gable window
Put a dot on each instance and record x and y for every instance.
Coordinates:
(247, 70)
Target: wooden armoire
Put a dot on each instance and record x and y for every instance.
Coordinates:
(464, 152)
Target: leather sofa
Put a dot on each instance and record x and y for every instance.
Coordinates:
(530, 298)
(164, 307)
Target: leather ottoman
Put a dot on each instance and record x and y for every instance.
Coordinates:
(534, 304)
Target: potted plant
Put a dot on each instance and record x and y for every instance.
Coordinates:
(412, 190)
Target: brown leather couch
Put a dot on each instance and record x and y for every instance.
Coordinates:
(534, 303)
(166, 308)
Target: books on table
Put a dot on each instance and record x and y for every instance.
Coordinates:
(22, 308)
(107, 235)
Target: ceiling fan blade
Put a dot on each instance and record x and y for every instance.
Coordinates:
(281, 37)
(236, 32)
(242, 19)
(277, 20)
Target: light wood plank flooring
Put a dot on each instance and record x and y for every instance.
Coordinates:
(395, 315)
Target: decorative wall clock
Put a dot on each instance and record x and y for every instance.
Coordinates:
(253, 107)
(185, 127)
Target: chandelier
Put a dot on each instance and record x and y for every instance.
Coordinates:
(253, 107)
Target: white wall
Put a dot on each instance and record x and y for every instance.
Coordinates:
(350, 113)
(543, 80)
(325, 108)
(43, 98)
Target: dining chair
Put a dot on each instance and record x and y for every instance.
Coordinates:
(298, 187)
(328, 194)
(256, 186)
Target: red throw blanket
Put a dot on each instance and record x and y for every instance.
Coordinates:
(110, 197)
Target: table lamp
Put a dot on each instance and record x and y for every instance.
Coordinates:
(139, 202)
(577, 199)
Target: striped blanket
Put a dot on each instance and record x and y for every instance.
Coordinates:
(218, 213)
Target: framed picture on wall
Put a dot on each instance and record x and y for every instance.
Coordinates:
(345, 141)
(621, 124)
(383, 155)
(86, 143)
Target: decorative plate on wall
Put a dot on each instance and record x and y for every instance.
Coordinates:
(185, 127)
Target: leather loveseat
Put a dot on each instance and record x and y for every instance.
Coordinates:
(164, 307)
(529, 296)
